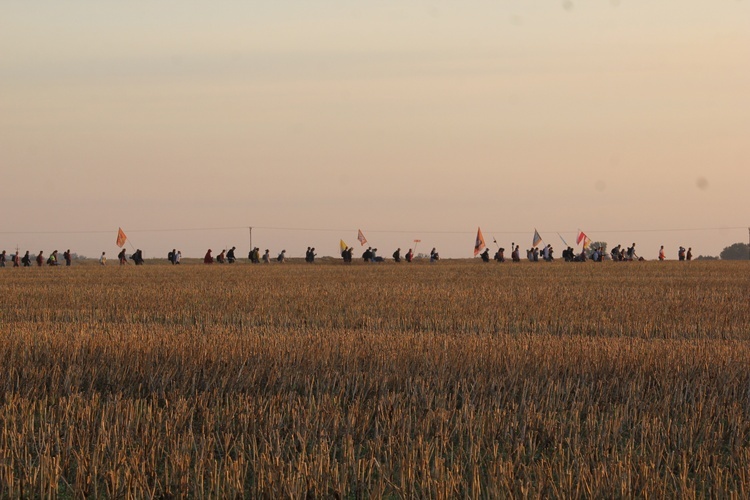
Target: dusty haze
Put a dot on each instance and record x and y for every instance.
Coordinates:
(407, 120)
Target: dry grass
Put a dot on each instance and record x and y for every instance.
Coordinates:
(453, 380)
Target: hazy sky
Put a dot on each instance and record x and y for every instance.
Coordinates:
(405, 119)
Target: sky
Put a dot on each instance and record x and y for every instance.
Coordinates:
(187, 122)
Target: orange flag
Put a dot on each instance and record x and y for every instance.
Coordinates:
(479, 243)
(361, 237)
(121, 238)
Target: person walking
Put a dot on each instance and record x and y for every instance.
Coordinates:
(689, 255)
(2, 259)
(662, 255)
(122, 258)
(103, 259)
(207, 259)
(52, 260)
(282, 257)
(68, 258)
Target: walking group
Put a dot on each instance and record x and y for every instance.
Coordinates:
(27, 260)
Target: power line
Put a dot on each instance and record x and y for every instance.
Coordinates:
(379, 231)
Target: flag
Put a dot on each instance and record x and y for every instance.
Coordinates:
(537, 239)
(582, 238)
(479, 243)
(417, 241)
(361, 237)
(563, 240)
(342, 245)
(121, 238)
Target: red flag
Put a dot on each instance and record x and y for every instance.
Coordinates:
(361, 237)
(121, 238)
(581, 237)
(479, 243)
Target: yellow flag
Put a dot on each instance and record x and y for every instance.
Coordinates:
(342, 245)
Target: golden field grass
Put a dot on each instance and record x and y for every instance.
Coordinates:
(459, 379)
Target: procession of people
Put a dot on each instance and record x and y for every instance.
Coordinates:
(595, 253)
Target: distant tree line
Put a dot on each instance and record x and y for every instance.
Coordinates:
(738, 251)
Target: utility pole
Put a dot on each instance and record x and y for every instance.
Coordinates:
(748, 243)
(250, 229)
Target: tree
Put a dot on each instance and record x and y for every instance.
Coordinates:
(738, 251)
(706, 257)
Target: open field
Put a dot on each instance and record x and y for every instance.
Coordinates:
(459, 379)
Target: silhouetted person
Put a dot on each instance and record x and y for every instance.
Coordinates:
(434, 256)
(681, 254)
(367, 255)
(282, 257)
(689, 255)
(254, 255)
(122, 258)
(615, 253)
(137, 257)
(52, 260)
(596, 255)
(409, 256)
(208, 258)
(347, 254)
(485, 255)
(500, 255)
(397, 255)
(515, 254)
(310, 255)
(662, 255)
(26, 259)
(40, 259)
(267, 257)
(2, 259)
(220, 258)
(230, 255)
(68, 258)
(631, 252)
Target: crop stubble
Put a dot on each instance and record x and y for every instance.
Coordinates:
(453, 380)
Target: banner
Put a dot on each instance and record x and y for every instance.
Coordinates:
(537, 239)
(121, 238)
(479, 242)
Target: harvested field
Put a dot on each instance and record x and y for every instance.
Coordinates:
(459, 379)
